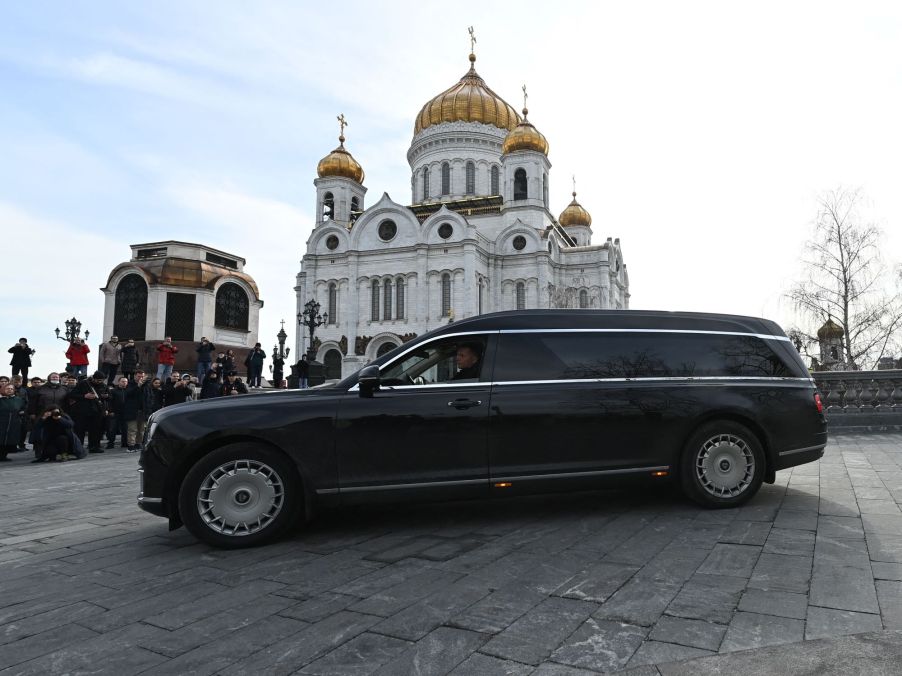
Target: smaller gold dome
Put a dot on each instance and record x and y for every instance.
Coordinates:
(524, 137)
(830, 329)
(574, 214)
(340, 163)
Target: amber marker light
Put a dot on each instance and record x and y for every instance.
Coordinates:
(504, 484)
(659, 473)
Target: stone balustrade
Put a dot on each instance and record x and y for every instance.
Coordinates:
(865, 400)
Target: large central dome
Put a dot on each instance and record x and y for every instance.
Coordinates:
(470, 100)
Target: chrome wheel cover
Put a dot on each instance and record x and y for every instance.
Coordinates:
(725, 466)
(240, 497)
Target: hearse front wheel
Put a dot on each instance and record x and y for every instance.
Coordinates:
(240, 495)
(723, 464)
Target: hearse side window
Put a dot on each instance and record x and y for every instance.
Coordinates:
(573, 356)
(436, 362)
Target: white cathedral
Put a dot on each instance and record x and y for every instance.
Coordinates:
(478, 236)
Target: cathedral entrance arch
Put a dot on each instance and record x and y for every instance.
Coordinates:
(332, 364)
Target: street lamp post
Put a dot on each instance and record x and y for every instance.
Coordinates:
(279, 355)
(73, 330)
(312, 319)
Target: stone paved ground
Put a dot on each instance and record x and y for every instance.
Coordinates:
(554, 585)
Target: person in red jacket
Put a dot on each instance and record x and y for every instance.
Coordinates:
(77, 354)
(166, 352)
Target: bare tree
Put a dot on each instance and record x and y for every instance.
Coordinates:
(845, 279)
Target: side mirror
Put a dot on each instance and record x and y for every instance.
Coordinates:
(368, 380)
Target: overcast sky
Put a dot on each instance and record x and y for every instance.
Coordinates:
(700, 133)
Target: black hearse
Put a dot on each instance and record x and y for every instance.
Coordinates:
(504, 403)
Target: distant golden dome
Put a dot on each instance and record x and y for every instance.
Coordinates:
(340, 163)
(574, 214)
(470, 100)
(525, 137)
(830, 329)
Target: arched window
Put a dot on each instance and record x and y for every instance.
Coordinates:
(333, 303)
(496, 188)
(374, 301)
(545, 189)
(425, 184)
(446, 295)
(583, 299)
(385, 347)
(479, 290)
(232, 307)
(328, 206)
(520, 191)
(471, 178)
(387, 298)
(355, 208)
(446, 178)
(130, 314)
(399, 298)
(521, 296)
(332, 364)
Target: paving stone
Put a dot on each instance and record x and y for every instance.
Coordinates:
(841, 552)
(782, 572)
(410, 547)
(531, 638)
(882, 523)
(887, 506)
(185, 613)
(840, 526)
(693, 633)
(391, 600)
(889, 594)
(886, 571)
(419, 619)
(708, 597)
(654, 652)
(795, 542)
(51, 619)
(843, 588)
(160, 603)
(838, 502)
(485, 665)
(363, 654)
(306, 644)
(826, 622)
(382, 578)
(600, 645)
(638, 602)
(319, 607)
(554, 669)
(885, 547)
(796, 520)
(751, 630)
(746, 533)
(734, 560)
(780, 603)
(436, 654)
(643, 545)
(26, 649)
(597, 583)
(497, 610)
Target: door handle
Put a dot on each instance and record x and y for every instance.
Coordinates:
(462, 404)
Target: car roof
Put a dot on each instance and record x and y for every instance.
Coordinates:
(612, 319)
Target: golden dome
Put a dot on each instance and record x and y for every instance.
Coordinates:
(830, 329)
(470, 100)
(525, 137)
(574, 214)
(340, 163)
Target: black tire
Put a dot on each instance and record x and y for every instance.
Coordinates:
(249, 495)
(722, 465)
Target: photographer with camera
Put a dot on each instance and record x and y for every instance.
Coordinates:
(77, 354)
(12, 417)
(166, 352)
(54, 437)
(21, 360)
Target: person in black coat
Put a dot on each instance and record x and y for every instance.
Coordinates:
(21, 360)
(90, 409)
(128, 359)
(212, 385)
(152, 397)
(54, 437)
(205, 350)
(125, 403)
(233, 385)
(178, 391)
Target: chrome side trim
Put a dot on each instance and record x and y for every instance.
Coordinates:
(327, 491)
(144, 498)
(428, 484)
(574, 475)
(802, 450)
(765, 336)
(663, 379)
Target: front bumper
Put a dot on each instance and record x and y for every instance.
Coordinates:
(151, 473)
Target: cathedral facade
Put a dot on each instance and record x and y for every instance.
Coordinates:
(478, 235)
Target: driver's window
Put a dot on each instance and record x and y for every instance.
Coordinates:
(443, 360)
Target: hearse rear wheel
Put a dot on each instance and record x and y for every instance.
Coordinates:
(240, 495)
(722, 465)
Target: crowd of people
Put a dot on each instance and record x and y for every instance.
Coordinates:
(69, 414)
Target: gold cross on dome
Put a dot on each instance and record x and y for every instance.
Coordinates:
(525, 96)
(283, 324)
(342, 122)
(472, 39)
(574, 184)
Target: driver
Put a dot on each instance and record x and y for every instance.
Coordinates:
(467, 359)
